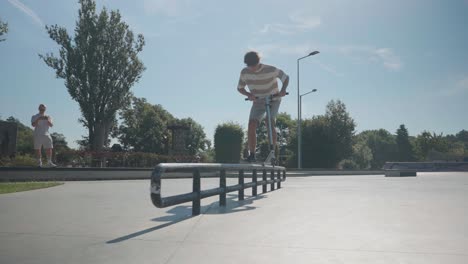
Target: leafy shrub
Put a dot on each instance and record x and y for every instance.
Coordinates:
(228, 143)
(347, 164)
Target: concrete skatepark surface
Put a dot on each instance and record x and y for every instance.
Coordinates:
(319, 219)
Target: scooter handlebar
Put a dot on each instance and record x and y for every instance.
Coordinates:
(257, 97)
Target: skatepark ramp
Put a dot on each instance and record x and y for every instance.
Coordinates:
(269, 176)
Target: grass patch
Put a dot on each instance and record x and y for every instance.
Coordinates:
(11, 187)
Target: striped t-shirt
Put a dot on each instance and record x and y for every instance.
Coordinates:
(263, 81)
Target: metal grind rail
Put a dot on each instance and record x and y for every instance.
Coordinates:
(269, 176)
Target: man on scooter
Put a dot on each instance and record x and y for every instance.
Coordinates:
(261, 80)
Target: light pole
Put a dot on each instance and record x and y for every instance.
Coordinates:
(300, 122)
(299, 132)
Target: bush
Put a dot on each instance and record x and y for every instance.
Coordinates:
(347, 164)
(25, 160)
(228, 143)
(76, 158)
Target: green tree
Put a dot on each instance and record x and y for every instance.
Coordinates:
(427, 142)
(405, 149)
(362, 154)
(24, 139)
(60, 142)
(99, 66)
(284, 127)
(144, 127)
(340, 130)
(317, 150)
(326, 139)
(196, 141)
(62, 153)
(3, 30)
(382, 145)
(462, 136)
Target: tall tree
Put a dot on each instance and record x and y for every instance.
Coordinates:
(362, 154)
(284, 127)
(62, 154)
(326, 139)
(382, 145)
(144, 127)
(3, 30)
(340, 130)
(24, 138)
(196, 141)
(462, 136)
(427, 142)
(99, 66)
(405, 149)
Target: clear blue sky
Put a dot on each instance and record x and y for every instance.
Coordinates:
(391, 62)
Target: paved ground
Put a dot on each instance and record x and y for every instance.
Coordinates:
(339, 219)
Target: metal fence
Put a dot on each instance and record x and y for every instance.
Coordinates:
(269, 176)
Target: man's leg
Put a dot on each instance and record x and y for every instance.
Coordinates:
(39, 157)
(49, 156)
(38, 149)
(256, 113)
(49, 146)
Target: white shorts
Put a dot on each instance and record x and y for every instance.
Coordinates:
(43, 140)
(257, 112)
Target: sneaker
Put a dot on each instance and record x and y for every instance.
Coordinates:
(50, 164)
(39, 164)
(251, 158)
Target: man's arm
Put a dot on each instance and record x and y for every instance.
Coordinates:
(241, 89)
(249, 95)
(49, 121)
(34, 121)
(283, 88)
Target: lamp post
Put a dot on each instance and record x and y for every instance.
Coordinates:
(299, 132)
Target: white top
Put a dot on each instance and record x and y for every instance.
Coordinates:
(42, 127)
(263, 81)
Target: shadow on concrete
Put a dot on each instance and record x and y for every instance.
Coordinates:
(183, 212)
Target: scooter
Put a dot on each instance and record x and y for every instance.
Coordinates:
(271, 158)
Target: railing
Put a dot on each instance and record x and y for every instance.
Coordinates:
(277, 175)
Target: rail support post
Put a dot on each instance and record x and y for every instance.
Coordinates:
(196, 191)
(272, 177)
(222, 184)
(264, 178)
(254, 180)
(278, 175)
(241, 183)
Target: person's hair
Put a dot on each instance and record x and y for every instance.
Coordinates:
(43, 105)
(251, 58)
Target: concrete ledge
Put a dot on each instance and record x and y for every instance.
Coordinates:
(72, 174)
(427, 166)
(400, 173)
(323, 172)
(97, 174)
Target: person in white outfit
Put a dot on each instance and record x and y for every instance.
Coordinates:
(41, 123)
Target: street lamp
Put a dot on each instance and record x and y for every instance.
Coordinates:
(299, 155)
(299, 136)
